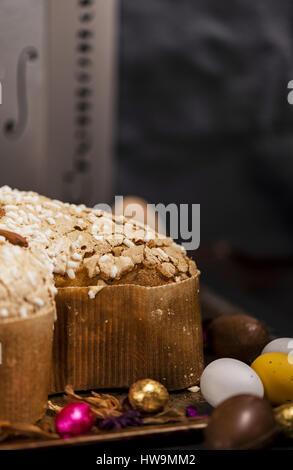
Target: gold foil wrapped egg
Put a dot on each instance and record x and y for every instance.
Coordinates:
(284, 416)
(148, 396)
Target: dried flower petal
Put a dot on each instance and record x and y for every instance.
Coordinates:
(130, 418)
(52, 407)
(168, 415)
(21, 429)
(102, 405)
(191, 412)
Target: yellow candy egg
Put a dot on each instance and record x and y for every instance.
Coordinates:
(276, 373)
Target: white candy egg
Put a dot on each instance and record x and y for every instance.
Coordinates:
(280, 345)
(225, 378)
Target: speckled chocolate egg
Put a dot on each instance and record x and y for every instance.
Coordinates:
(276, 373)
(241, 422)
(237, 336)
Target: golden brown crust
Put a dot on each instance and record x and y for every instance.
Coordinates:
(140, 275)
(82, 246)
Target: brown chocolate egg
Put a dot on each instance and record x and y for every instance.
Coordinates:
(241, 422)
(237, 336)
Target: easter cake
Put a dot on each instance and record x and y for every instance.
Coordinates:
(27, 314)
(128, 298)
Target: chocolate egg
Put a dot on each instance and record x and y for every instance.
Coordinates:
(276, 373)
(237, 336)
(241, 422)
(148, 396)
(279, 345)
(225, 378)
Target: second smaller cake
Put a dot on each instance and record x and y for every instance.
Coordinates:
(27, 313)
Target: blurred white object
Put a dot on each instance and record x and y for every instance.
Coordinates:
(57, 64)
(279, 345)
(224, 378)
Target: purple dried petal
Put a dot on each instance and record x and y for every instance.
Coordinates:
(132, 414)
(117, 425)
(108, 423)
(130, 418)
(123, 422)
(191, 412)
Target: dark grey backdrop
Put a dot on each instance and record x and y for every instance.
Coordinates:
(203, 114)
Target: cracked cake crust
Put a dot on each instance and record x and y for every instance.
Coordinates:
(88, 247)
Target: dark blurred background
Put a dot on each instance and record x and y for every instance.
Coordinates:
(204, 118)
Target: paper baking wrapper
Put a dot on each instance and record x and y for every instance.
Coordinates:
(126, 333)
(25, 370)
